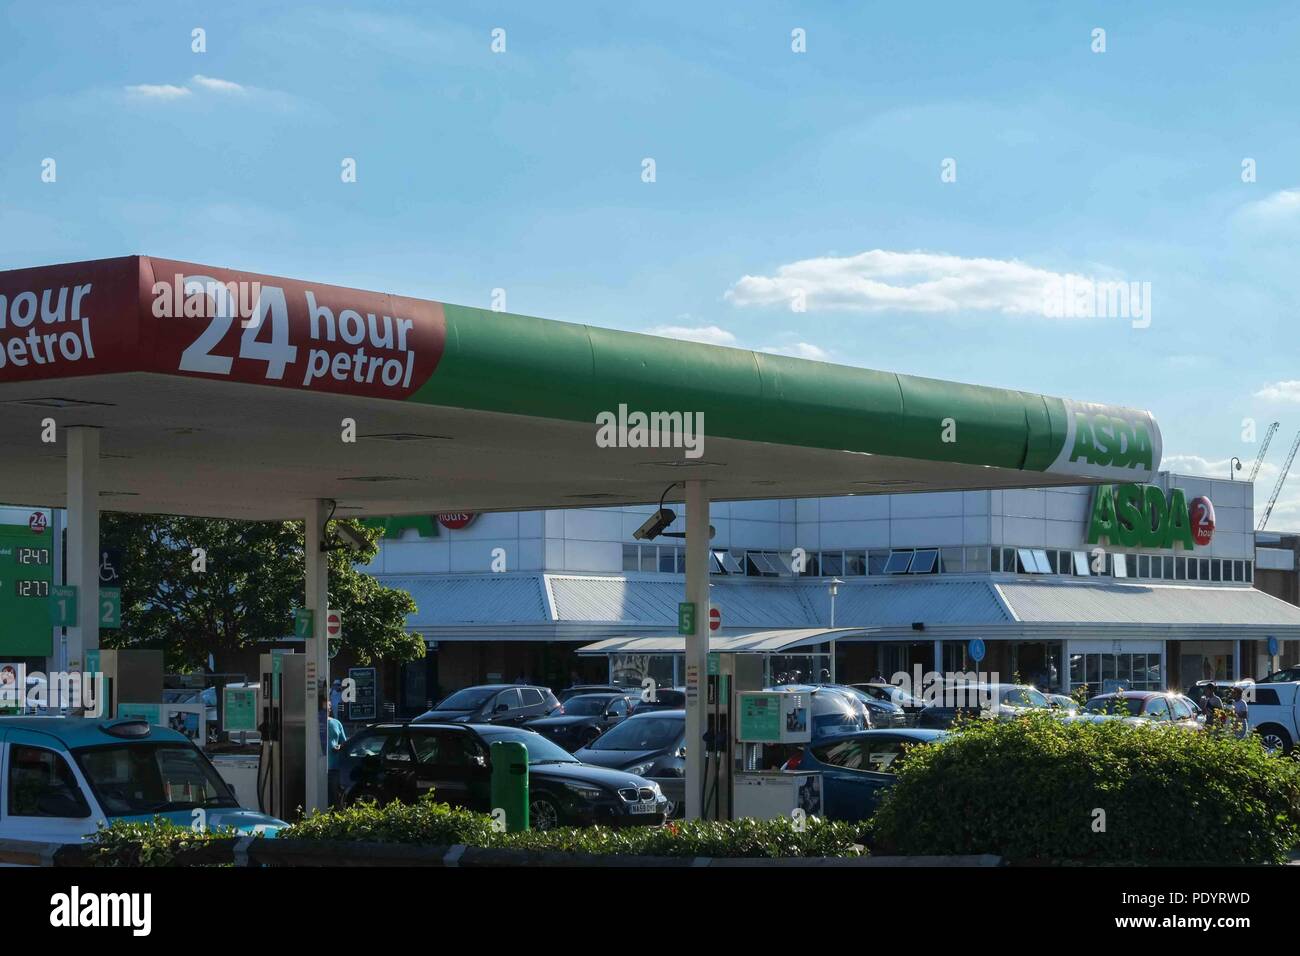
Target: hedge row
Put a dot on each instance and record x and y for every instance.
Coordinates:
(1042, 789)
(162, 843)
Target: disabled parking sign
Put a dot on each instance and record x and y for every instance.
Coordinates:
(976, 650)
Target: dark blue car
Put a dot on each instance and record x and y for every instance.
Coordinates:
(857, 768)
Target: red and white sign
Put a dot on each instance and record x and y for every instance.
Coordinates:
(715, 619)
(333, 625)
(140, 314)
(454, 521)
(1201, 512)
(37, 522)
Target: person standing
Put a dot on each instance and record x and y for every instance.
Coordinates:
(1240, 712)
(334, 744)
(1213, 706)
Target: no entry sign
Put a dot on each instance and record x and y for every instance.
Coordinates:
(715, 619)
(333, 625)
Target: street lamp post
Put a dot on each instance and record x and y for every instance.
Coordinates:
(1234, 464)
(833, 588)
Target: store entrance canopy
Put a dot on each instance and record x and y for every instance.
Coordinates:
(232, 394)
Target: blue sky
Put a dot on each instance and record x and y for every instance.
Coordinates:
(819, 170)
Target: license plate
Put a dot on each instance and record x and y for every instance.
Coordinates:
(642, 808)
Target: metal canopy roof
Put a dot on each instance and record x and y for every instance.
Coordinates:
(758, 642)
(209, 408)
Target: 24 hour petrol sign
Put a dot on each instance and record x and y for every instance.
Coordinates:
(1143, 516)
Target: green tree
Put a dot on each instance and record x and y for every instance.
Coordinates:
(242, 589)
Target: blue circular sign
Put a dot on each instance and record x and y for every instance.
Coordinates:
(1272, 646)
(976, 649)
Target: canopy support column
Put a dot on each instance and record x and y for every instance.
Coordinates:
(697, 643)
(83, 543)
(315, 794)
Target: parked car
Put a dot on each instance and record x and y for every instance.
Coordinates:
(1142, 707)
(494, 704)
(858, 768)
(834, 711)
(665, 698)
(882, 712)
(1272, 714)
(388, 762)
(1285, 676)
(994, 701)
(577, 689)
(65, 776)
(650, 744)
(912, 707)
(584, 718)
(1063, 702)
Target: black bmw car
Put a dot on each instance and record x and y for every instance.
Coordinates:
(388, 762)
(585, 718)
(650, 744)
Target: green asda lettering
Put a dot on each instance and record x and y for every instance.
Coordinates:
(1107, 441)
(1140, 516)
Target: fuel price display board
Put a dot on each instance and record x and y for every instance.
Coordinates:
(26, 572)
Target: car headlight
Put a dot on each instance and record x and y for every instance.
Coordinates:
(585, 790)
(641, 769)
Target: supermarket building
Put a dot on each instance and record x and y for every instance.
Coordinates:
(919, 576)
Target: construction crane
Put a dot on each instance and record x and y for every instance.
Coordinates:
(1281, 480)
(1263, 450)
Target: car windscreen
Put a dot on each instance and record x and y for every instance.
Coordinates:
(588, 706)
(540, 750)
(137, 778)
(642, 733)
(471, 698)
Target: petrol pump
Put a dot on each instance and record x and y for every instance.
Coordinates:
(134, 676)
(282, 765)
(763, 730)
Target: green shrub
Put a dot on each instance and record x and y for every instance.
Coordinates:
(158, 842)
(1029, 789)
(736, 838)
(424, 822)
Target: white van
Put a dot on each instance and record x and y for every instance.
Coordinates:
(1271, 713)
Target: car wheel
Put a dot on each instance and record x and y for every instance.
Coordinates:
(1275, 739)
(543, 814)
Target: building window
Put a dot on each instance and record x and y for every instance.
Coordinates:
(1216, 570)
(898, 562)
(1169, 567)
(1180, 569)
(977, 559)
(631, 557)
(855, 563)
(1250, 572)
(950, 560)
(876, 560)
(924, 562)
(1119, 567)
(832, 563)
(1193, 569)
(1081, 567)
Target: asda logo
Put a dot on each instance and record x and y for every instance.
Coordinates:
(1108, 441)
(1141, 516)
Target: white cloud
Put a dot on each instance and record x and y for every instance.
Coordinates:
(216, 85)
(159, 91)
(881, 280)
(1283, 204)
(1288, 391)
(799, 350)
(708, 334)
(713, 335)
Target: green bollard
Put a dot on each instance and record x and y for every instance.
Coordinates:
(510, 783)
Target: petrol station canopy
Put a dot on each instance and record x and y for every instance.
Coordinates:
(241, 412)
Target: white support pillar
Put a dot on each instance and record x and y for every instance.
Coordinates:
(938, 657)
(317, 594)
(83, 541)
(1236, 659)
(697, 644)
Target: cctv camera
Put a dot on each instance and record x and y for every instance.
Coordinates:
(350, 537)
(655, 524)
